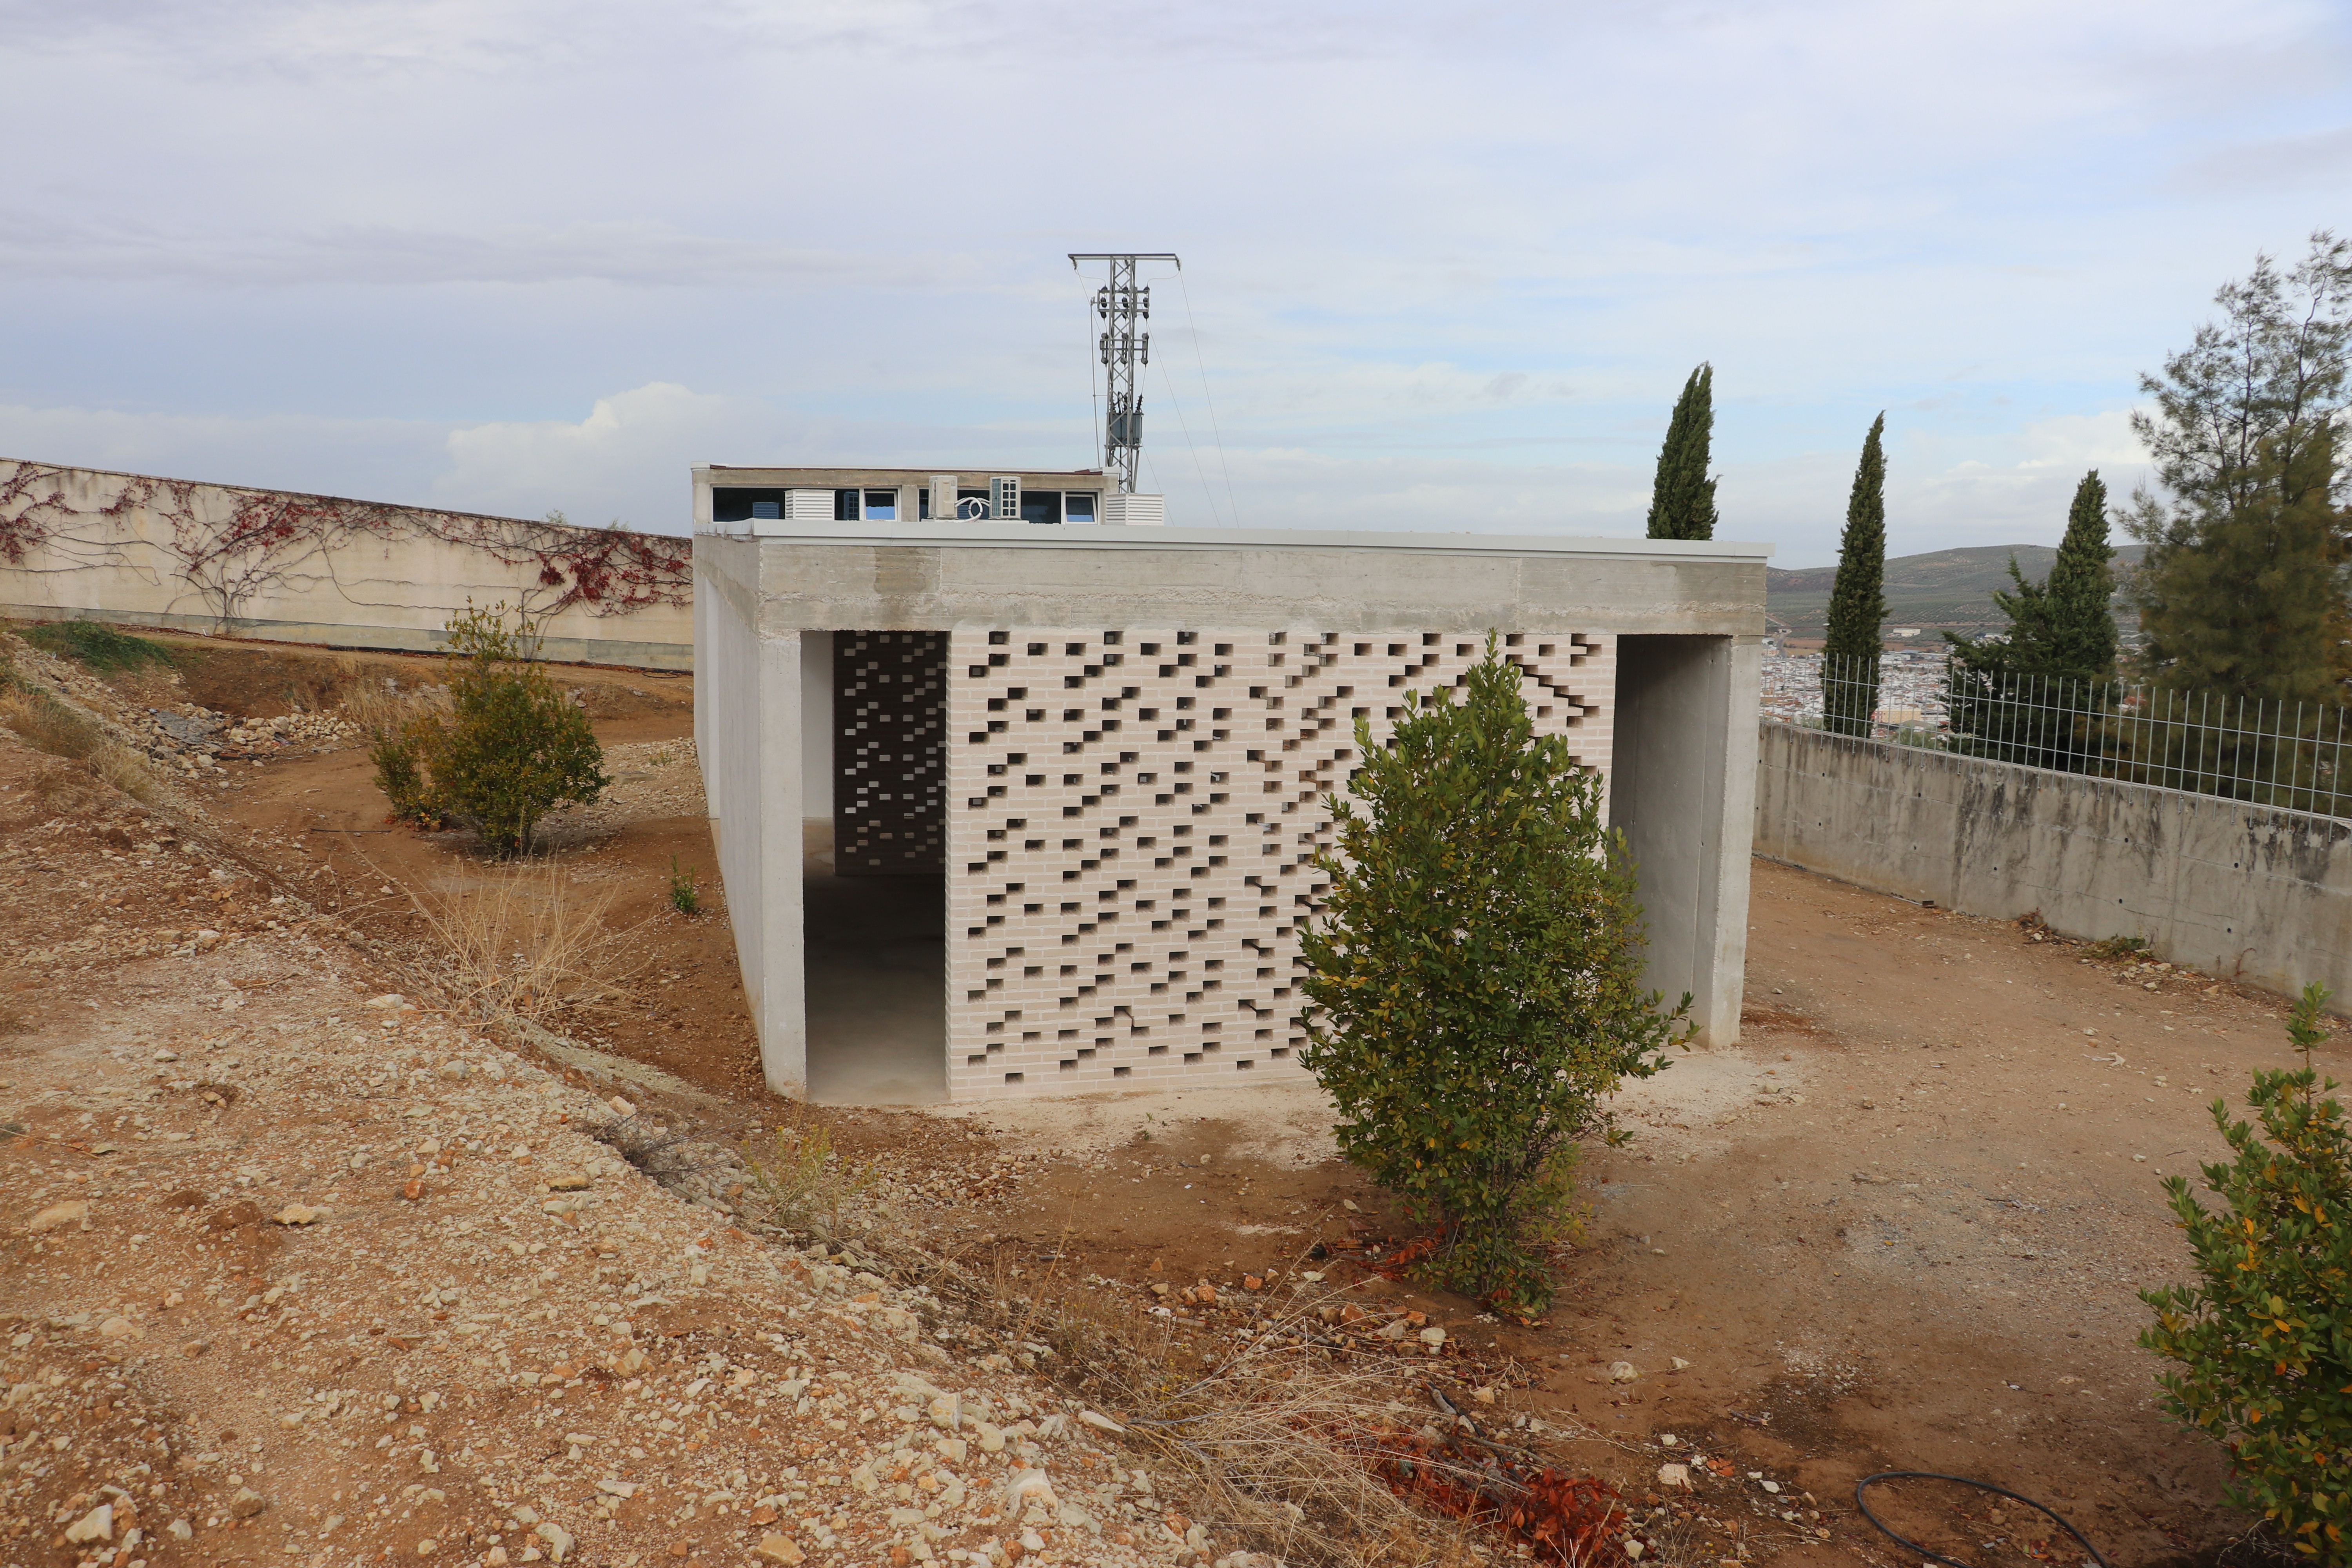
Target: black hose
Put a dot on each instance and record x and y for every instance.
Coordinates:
(1868, 1481)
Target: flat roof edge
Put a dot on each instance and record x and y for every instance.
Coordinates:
(1100, 536)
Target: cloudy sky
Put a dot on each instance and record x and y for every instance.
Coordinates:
(1444, 267)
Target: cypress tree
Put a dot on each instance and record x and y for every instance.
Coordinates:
(2030, 696)
(2076, 622)
(1858, 597)
(1682, 498)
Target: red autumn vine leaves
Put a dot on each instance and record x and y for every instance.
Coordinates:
(611, 571)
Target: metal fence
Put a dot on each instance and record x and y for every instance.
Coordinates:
(2297, 756)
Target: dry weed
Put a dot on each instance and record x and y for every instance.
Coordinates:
(651, 1147)
(379, 708)
(126, 771)
(61, 788)
(528, 943)
(1255, 1428)
(47, 725)
(1259, 1433)
(806, 1182)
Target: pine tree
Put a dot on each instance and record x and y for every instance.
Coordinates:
(2251, 605)
(1858, 599)
(2242, 591)
(1682, 499)
(2034, 695)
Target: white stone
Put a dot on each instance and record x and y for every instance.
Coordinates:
(97, 1524)
(1027, 1486)
(1623, 1371)
(58, 1216)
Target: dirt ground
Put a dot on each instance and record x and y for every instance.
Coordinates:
(1902, 1226)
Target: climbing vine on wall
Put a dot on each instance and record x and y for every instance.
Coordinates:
(246, 542)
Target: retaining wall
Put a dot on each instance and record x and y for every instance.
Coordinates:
(290, 567)
(2248, 891)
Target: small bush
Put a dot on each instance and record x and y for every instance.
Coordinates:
(400, 774)
(1473, 979)
(684, 897)
(2265, 1339)
(97, 644)
(805, 1181)
(510, 748)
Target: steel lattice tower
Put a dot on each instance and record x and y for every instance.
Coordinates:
(1123, 306)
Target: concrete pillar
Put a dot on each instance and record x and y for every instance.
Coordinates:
(1683, 791)
(747, 699)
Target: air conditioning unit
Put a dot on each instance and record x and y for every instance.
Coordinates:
(1005, 499)
(808, 506)
(1135, 511)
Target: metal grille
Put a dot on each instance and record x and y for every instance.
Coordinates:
(1136, 814)
(890, 712)
(2295, 757)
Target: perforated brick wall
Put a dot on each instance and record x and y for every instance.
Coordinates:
(889, 751)
(1131, 816)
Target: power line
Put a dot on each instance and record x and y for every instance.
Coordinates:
(1182, 424)
(1215, 434)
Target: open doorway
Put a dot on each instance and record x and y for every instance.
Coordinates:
(873, 865)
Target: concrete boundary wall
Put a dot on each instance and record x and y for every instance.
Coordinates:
(182, 555)
(2248, 891)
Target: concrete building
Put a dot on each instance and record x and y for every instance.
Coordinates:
(1006, 809)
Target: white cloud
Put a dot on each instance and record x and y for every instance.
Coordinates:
(628, 458)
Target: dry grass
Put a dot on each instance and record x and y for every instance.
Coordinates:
(47, 725)
(1254, 1432)
(380, 709)
(126, 771)
(805, 1182)
(1257, 1430)
(527, 944)
(61, 787)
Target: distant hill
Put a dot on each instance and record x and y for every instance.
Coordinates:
(1942, 589)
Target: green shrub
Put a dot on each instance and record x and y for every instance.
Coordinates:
(2265, 1339)
(98, 645)
(1474, 985)
(509, 749)
(400, 774)
(683, 896)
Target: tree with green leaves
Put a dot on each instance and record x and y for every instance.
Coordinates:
(509, 749)
(2263, 1341)
(1857, 612)
(1682, 498)
(2034, 694)
(1473, 979)
(2242, 592)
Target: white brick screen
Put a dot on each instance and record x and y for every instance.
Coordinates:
(1130, 816)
